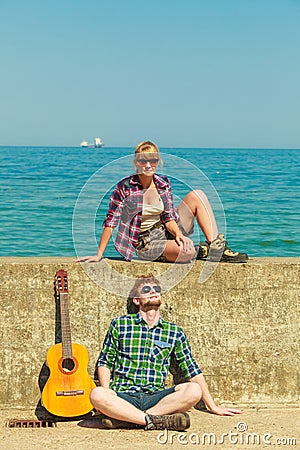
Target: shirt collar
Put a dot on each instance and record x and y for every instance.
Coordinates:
(139, 319)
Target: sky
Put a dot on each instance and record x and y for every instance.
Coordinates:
(183, 73)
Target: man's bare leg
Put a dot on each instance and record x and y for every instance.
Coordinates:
(185, 396)
(107, 402)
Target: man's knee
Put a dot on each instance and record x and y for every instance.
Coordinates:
(193, 392)
(100, 395)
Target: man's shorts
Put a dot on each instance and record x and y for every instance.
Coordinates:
(144, 401)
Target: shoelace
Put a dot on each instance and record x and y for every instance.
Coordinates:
(219, 243)
(164, 420)
(229, 251)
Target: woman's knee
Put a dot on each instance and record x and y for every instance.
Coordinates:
(193, 200)
(187, 256)
(199, 195)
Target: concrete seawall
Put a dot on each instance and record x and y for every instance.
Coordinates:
(242, 322)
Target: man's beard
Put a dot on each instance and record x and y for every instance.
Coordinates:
(149, 302)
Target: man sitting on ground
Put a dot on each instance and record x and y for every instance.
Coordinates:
(134, 363)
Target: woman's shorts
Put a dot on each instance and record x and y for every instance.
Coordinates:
(151, 243)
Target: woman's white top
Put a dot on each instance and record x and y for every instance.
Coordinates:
(151, 214)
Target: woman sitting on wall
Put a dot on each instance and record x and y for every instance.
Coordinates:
(150, 227)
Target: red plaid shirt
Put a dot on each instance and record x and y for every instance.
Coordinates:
(126, 205)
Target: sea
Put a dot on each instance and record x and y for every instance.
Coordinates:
(53, 200)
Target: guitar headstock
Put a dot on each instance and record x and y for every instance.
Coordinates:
(61, 280)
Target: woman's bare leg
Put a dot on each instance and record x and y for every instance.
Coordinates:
(174, 253)
(196, 205)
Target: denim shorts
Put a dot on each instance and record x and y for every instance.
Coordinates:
(144, 401)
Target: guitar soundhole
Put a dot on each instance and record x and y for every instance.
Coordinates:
(68, 364)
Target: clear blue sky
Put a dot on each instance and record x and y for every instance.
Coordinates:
(189, 73)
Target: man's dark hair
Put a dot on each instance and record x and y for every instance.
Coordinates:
(144, 279)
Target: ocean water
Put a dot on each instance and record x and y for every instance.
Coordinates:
(53, 199)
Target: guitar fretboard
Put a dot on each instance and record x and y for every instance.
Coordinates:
(65, 327)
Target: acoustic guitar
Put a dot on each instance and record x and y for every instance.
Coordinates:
(66, 392)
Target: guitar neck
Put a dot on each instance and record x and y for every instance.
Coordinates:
(65, 326)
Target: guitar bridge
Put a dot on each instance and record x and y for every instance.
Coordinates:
(69, 393)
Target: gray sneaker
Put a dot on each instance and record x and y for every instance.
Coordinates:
(218, 250)
(176, 422)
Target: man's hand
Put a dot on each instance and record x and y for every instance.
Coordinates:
(226, 411)
(209, 401)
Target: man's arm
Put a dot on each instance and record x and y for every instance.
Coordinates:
(192, 372)
(108, 354)
(104, 376)
(209, 401)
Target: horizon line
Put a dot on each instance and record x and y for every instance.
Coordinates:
(161, 147)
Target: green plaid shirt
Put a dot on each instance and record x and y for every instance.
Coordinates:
(139, 357)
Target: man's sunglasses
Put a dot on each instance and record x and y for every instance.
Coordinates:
(146, 289)
(143, 162)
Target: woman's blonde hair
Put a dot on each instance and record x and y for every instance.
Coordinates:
(146, 147)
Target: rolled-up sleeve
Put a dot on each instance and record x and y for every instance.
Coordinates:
(109, 350)
(184, 358)
(115, 208)
(169, 210)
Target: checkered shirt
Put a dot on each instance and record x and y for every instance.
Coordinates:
(126, 205)
(139, 357)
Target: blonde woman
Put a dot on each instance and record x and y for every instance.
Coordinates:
(149, 227)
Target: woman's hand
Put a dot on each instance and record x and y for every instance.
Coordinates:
(105, 237)
(186, 243)
(95, 258)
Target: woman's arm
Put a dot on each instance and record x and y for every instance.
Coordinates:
(173, 228)
(104, 240)
(110, 222)
(187, 243)
(169, 218)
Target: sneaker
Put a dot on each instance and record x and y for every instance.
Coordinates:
(218, 250)
(177, 422)
(109, 422)
(233, 257)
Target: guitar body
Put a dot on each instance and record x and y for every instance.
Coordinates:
(66, 392)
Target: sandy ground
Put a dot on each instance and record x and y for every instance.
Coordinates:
(256, 428)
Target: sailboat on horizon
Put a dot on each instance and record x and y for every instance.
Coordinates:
(97, 143)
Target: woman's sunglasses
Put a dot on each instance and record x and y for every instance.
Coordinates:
(146, 289)
(143, 162)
